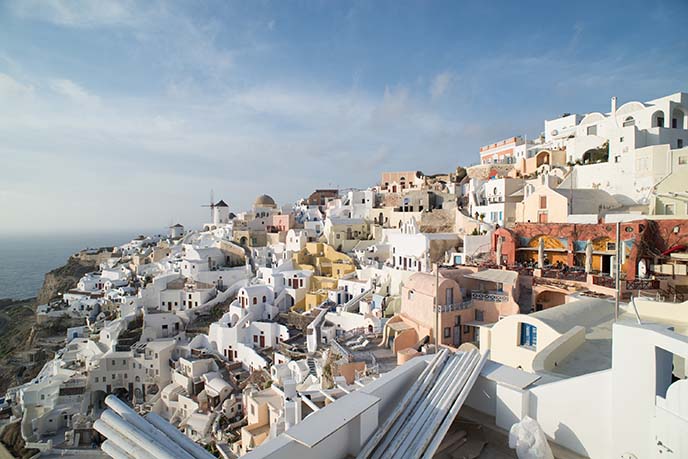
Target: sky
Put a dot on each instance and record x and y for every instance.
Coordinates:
(118, 115)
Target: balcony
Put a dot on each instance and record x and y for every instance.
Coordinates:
(492, 297)
(453, 307)
(604, 281)
(642, 284)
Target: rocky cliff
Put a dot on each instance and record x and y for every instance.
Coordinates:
(64, 278)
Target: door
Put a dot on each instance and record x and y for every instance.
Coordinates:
(457, 331)
(262, 341)
(607, 264)
(449, 296)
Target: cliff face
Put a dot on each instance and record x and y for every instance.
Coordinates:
(64, 278)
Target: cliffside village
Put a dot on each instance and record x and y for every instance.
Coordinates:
(547, 283)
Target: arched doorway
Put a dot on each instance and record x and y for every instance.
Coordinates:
(542, 158)
(658, 119)
(678, 119)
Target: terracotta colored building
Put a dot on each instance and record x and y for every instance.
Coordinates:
(566, 242)
(322, 197)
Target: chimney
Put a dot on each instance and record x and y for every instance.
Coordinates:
(614, 105)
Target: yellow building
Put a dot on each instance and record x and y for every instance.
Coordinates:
(327, 265)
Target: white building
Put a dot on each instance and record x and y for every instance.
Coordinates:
(411, 250)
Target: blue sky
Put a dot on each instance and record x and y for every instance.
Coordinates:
(124, 114)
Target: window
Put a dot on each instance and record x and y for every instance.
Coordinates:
(617, 158)
(682, 160)
(466, 329)
(543, 202)
(679, 143)
(621, 139)
(669, 209)
(479, 315)
(447, 332)
(592, 130)
(674, 123)
(528, 335)
(630, 121)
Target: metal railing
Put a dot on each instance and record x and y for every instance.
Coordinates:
(603, 281)
(493, 297)
(642, 284)
(453, 307)
(578, 276)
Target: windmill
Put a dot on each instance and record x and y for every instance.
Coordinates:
(211, 205)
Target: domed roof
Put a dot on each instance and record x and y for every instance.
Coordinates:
(264, 201)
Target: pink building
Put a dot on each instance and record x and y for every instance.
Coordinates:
(416, 319)
(283, 222)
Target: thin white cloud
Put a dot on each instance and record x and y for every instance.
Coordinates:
(9, 87)
(77, 13)
(74, 91)
(441, 84)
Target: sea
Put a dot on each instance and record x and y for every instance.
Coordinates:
(24, 260)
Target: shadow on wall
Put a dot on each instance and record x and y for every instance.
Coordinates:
(565, 436)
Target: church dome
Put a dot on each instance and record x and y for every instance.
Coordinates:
(264, 201)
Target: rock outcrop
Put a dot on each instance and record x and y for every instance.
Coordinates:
(64, 278)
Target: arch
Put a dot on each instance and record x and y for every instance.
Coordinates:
(679, 119)
(542, 157)
(658, 118)
(629, 121)
(630, 107)
(597, 155)
(243, 240)
(551, 242)
(591, 118)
